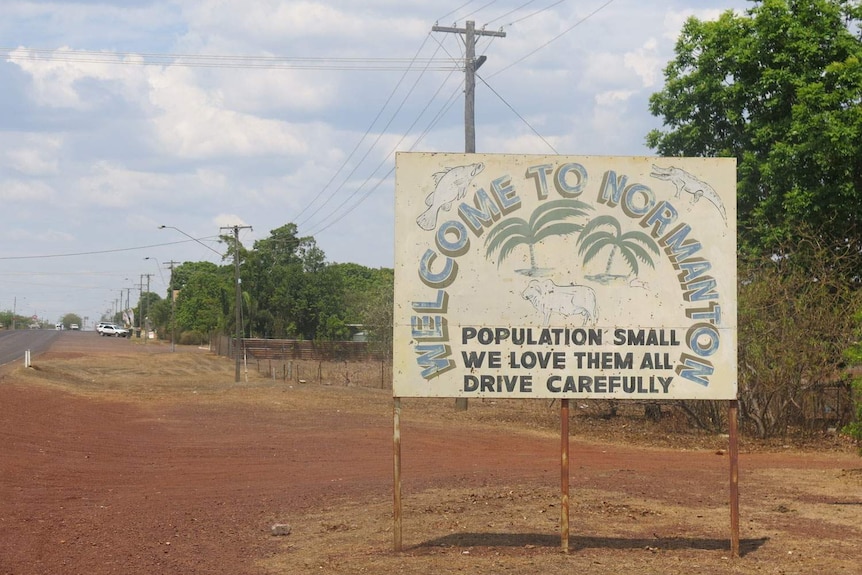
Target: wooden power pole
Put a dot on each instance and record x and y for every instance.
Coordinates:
(471, 64)
(238, 347)
(173, 294)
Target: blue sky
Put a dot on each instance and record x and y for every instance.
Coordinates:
(119, 117)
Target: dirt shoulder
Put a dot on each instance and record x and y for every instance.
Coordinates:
(121, 457)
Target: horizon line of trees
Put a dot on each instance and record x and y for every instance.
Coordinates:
(288, 290)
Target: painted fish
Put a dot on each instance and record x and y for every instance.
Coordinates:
(449, 185)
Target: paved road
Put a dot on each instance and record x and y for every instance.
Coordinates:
(13, 344)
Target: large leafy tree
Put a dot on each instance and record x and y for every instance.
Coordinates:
(780, 89)
(288, 291)
(71, 318)
(286, 286)
(205, 293)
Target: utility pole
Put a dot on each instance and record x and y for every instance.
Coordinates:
(171, 265)
(141, 307)
(471, 64)
(144, 315)
(236, 230)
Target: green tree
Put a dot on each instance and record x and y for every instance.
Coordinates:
(633, 246)
(159, 314)
(71, 318)
(274, 279)
(545, 221)
(206, 290)
(779, 89)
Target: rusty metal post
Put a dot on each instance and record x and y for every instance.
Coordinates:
(733, 449)
(396, 487)
(564, 474)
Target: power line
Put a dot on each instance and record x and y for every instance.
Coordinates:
(358, 144)
(536, 13)
(479, 9)
(220, 60)
(75, 254)
(385, 159)
(382, 162)
(555, 38)
(467, 3)
(517, 114)
(512, 11)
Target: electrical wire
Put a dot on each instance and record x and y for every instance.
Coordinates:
(480, 8)
(555, 38)
(76, 254)
(445, 108)
(467, 3)
(536, 13)
(296, 219)
(517, 114)
(381, 180)
(356, 191)
(512, 11)
(218, 61)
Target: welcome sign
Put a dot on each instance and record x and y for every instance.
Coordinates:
(565, 277)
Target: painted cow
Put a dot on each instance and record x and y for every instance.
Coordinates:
(549, 298)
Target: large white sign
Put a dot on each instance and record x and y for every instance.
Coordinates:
(565, 277)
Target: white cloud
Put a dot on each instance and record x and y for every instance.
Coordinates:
(58, 76)
(38, 236)
(111, 186)
(193, 123)
(645, 62)
(33, 154)
(613, 97)
(228, 221)
(26, 191)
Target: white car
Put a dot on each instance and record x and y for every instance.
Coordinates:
(111, 329)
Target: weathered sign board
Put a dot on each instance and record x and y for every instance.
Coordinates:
(528, 276)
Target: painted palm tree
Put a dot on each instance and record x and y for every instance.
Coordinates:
(545, 221)
(634, 246)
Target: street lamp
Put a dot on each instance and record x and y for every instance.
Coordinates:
(159, 266)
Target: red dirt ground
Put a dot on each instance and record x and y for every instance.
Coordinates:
(97, 486)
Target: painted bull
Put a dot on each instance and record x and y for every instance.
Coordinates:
(549, 298)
